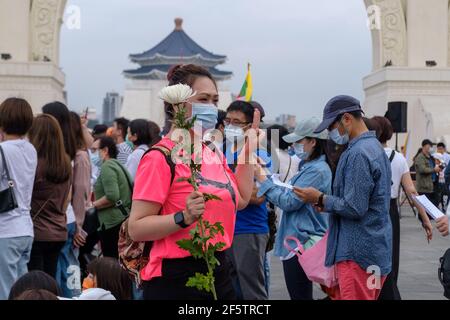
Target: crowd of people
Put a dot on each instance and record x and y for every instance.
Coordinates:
(67, 191)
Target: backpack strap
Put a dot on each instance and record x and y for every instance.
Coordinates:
(392, 156)
(167, 155)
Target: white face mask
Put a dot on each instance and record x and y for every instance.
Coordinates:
(232, 132)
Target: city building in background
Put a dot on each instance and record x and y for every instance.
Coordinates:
(144, 83)
(111, 107)
(287, 120)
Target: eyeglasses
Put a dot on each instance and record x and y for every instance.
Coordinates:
(235, 122)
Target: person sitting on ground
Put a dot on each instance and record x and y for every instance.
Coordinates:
(107, 274)
(34, 280)
(37, 294)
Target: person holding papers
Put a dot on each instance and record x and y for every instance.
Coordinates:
(299, 219)
(400, 177)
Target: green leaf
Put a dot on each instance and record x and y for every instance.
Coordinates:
(200, 282)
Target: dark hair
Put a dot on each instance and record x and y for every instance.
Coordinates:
(108, 142)
(220, 118)
(122, 124)
(319, 150)
(47, 138)
(355, 114)
(78, 131)
(37, 294)
(242, 106)
(99, 129)
(279, 143)
(441, 145)
(155, 133)
(384, 128)
(16, 116)
(33, 280)
(427, 142)
(334, 152)
(61, 113)
(184, 74)
(110, 276)
(141, 129)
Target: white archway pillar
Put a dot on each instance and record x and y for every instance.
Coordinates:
(29, 36)
(411, 33)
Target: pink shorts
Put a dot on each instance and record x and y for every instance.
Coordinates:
(354, 283)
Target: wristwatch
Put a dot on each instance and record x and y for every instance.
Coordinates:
(179, 220)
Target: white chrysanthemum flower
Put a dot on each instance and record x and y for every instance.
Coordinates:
(176, 94)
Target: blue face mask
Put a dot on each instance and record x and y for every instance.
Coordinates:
(337, 138)
(291, 151)
(95, 159)
(207, 114)
(299, 149)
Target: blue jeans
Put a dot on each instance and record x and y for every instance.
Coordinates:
(68, 269)
(267, 271)
(14, 256)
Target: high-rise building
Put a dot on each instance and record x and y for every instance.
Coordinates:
(111, 107)
(287, 120)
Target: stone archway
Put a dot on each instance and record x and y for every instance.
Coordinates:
(29, 48)
(411, 63)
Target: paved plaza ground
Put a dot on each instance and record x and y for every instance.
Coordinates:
(419, 261)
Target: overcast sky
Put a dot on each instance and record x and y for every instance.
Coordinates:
(302, 52)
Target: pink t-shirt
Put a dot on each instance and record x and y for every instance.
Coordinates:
(152, 183)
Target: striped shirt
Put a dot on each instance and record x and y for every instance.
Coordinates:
(123, 152)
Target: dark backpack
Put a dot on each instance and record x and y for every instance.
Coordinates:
(134, 256)
(444, 273)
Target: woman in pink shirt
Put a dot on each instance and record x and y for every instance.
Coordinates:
(164, 211)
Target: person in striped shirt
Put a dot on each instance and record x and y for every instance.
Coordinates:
(120, 129)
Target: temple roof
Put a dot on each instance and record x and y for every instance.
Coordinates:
(159, 72)
(176, 48)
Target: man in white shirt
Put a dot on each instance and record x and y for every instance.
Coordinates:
(441, 148)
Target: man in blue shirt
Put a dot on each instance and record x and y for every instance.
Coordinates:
(252, 230)
(360, 235)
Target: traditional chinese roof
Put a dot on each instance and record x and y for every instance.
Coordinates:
(176, 48)
(159, 72)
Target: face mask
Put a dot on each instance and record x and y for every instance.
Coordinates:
(299, 149)
(95, 159)
(207, 114)
(88, 283)
(232, 132)
(337, 138)
(129, 143)
(291, 151)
